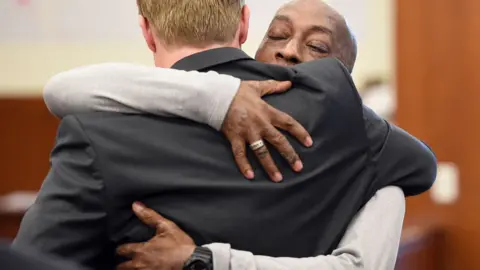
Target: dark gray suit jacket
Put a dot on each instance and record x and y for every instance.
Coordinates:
(23, 260)
(102, 162)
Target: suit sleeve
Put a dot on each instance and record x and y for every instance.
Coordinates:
(401, 159)
(371, 242)
(68, 219)
(14, 259)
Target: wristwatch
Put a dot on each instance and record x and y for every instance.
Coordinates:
(201, 259)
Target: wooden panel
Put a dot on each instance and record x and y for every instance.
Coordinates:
(422, 251)
(27, 137)
(9, 224)
(438, 91)
(422, 247)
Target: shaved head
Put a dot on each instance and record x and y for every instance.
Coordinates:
(345, 43)
(305, 30)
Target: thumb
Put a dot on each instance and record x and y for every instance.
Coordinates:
(272, 87)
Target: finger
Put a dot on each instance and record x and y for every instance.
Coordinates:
(266, 160)
(272, 87)
(292, 126)
(129, 250)
(130, 265)
(126, 266)
(149, 216)
(239, 153)
(278, 140)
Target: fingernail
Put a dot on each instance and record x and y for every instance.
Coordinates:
(297, 166)
(138, 206)
(249, 174)
(277, 177)
(308, 142)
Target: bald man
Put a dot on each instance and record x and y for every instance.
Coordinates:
(305, 30)
(301, 31)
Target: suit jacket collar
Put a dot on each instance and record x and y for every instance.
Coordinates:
(210, 58)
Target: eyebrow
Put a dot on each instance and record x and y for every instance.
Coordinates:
(282, 18)
(313, 28)
(322, 29)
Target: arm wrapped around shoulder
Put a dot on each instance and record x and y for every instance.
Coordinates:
(408, 162)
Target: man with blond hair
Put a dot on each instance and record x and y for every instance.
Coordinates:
(105, 161)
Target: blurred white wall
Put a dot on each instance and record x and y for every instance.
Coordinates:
(50, 36)
(376, 55)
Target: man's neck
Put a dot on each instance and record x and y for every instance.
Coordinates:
(167, 58)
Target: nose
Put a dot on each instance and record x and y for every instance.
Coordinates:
(288, 54)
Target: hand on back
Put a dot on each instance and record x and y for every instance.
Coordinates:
(251, 121)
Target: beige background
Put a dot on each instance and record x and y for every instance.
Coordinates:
(26, 64)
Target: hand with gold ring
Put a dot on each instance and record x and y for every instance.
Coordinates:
(250, 120)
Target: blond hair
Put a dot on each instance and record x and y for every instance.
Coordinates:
(195, 23)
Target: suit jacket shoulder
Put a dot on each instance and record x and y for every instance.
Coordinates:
(334, 78)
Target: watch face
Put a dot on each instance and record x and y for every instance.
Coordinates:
(198, 265)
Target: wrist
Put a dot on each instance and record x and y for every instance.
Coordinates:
(224, 89)
(201, 258)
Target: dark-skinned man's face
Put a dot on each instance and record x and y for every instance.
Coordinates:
(301, 31)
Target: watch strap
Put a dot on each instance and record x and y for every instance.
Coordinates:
(201, 255)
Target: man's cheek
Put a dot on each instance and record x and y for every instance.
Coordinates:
(265, 55)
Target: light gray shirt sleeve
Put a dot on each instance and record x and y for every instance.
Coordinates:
(129, 88)
(371, 242)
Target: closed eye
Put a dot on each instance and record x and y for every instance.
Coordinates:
(276, 37)
(318, 49)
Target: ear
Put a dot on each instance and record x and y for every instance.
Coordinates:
(244, 24)
(147, 33)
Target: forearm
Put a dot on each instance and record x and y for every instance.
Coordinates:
(371, 242)
(128, 88)
(226, 258)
